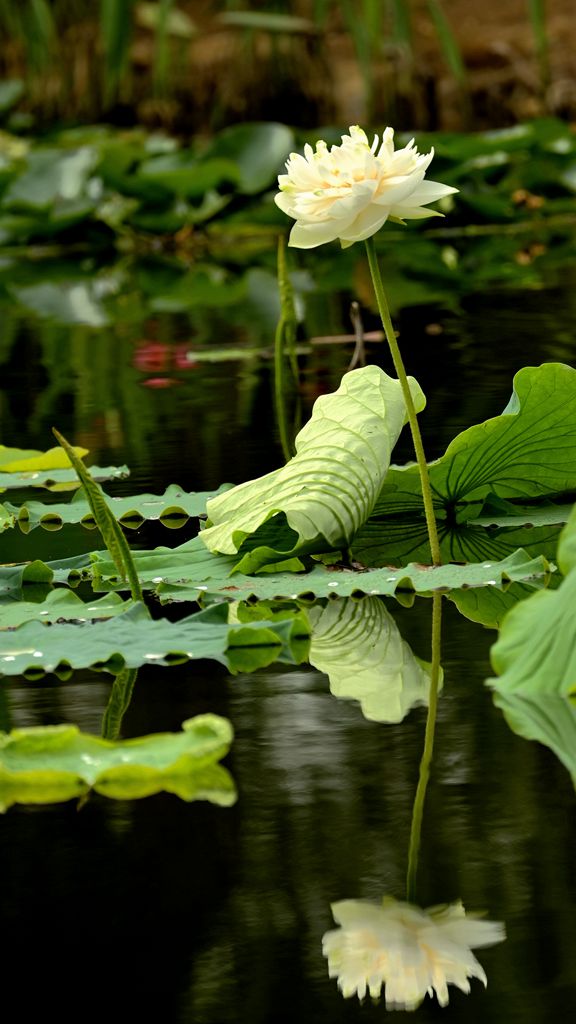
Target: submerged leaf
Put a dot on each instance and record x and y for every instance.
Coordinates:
(54, 763)
(325, 493)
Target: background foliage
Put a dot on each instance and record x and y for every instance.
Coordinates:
(201, 64)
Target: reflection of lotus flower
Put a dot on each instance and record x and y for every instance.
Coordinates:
(151, 356)
(411, 952)
(349, 191)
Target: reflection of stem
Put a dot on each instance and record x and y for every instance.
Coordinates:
(118, 702)
(424, 775)
(410, 409)
(359, 353)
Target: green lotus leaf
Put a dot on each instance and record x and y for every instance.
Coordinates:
(489, 605)
(54, 763)
(567, 545)
(359, 647)
(322, 496)
(527, 452)
(132, 638)
(401, 539)
(404, 539)
(61, 605)
(7, 518)
(189, 562)
(512, 516)
(328, 580)
(19, 460)
(172, 507)
(535, 652)
(258, 151)
(184, 174)
(51, 176)
(15, 579)
(57, 479)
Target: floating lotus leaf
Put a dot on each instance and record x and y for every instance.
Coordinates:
(132, 638)
(15, 579)
(60, 605)
(404, 539)
(188, 562)
(58, 479)
(53, 763)
(257, 149)
(51, 177)
(326, 580)
(174, 506)
(6, 517)
(17, 460)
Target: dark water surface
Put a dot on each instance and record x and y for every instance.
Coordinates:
(157, 910)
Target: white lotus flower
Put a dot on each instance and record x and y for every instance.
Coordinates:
(349, 191)
(412, 952)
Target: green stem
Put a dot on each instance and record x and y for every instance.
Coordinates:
(424, 774)
(280, 392)
(410, 409)
(284, 352)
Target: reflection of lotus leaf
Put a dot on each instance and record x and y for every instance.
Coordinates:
(412, 952)
(358, 645)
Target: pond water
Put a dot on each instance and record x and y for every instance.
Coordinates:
(177, 912)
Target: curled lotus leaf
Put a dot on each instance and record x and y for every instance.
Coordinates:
(321, 497)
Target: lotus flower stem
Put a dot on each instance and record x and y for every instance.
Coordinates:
(284, 352)
(424, 772)
(280, 391)
(410, 409)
